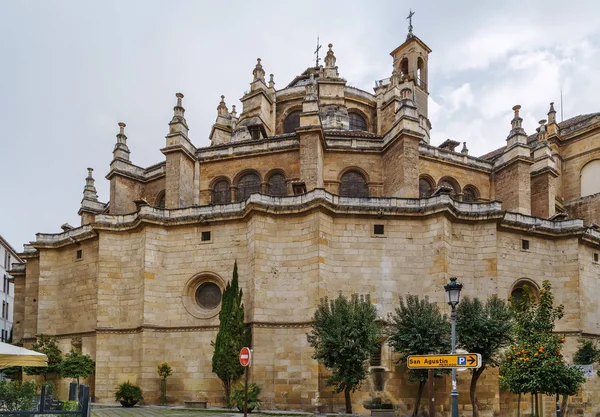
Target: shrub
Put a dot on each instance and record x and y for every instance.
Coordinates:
(70, 406)
(128, 394)
(237, 397)
(17, 396)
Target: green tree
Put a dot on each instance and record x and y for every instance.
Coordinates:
(485, 329)
(534, 363)
(164, 370)
(48, 346)
(76, 365)
(587, 353)
(344, 334)
(418, 328)
(231, 337)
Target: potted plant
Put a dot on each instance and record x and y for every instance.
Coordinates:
(238, 395)
(128, 394)
(164, 370)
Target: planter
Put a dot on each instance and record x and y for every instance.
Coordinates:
(195, 404)
(126, 403)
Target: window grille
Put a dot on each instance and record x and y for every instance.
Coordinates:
(353, 184)
(291, 122)
(277, 185)
(221, 193)
(357, 122)
(248, 184)
(425, 188)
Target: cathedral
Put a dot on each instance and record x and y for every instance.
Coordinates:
(314, 189)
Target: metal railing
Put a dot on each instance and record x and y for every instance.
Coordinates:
(44, 406)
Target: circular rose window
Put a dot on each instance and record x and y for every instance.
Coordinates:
(208, 295)
(202, 295)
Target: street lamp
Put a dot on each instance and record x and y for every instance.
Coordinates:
(453, 298)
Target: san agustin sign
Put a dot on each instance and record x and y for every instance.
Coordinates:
(457, 360)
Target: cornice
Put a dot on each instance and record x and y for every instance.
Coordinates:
(322, 200)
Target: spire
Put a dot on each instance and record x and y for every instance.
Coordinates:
(121, 151)
(233, 112)
(552, 128)
(178, 114)
(89, 191)
(517, 133)
(464, 149)
(330, 57)
(259, 73)
(517, 121)
(222, 108)
(551, 114)
(311, 91)
(542, 130)
(271, 81)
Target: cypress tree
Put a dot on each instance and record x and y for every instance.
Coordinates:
(231, 337)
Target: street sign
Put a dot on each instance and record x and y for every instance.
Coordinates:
(457, 360)
(245, 356)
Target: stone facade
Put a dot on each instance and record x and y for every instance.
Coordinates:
(314, 189)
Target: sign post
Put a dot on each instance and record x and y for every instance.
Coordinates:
(453, 361)
(245, 357)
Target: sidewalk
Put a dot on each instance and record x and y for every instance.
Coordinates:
(107, 410)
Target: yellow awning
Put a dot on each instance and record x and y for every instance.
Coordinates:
(11, 355)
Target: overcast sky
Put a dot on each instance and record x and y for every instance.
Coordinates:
(70, 70)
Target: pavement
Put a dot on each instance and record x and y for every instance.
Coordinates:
(161, 411)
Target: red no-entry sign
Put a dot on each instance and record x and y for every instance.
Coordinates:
(245, 356)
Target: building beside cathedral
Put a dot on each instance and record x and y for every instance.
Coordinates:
(315, 188)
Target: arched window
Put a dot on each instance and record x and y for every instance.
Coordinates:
(357, 122)
(518, 289)
(353, 184)
(221, 194)
(470, 194)
(589, 178)
(450, 182)
(421, 73)
(403, 67)
(291, 122)
(277, 185)
(425, 187)
(248, 184)
(160, 200)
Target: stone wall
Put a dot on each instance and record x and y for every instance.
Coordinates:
(513, 187)
(68, 289)
(586, 208)
(575, 154)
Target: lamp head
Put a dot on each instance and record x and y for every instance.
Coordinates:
(453, 289)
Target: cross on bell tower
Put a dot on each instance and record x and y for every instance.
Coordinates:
(317, 52)
(410, 26)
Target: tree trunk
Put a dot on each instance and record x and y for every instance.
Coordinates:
(348, 401)
(227, 387)
(473, 390)
(563, 405)
(519, 405)
(419, 395)
(537, 408)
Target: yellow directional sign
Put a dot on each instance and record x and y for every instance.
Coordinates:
(457, 360)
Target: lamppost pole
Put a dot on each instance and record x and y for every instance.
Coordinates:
(454, 393)
(453, 298)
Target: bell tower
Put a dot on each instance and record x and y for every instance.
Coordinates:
(411, 65)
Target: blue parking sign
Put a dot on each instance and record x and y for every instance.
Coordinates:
(462, 360)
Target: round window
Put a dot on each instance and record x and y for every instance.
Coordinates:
(208, 295)
(202, 295)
